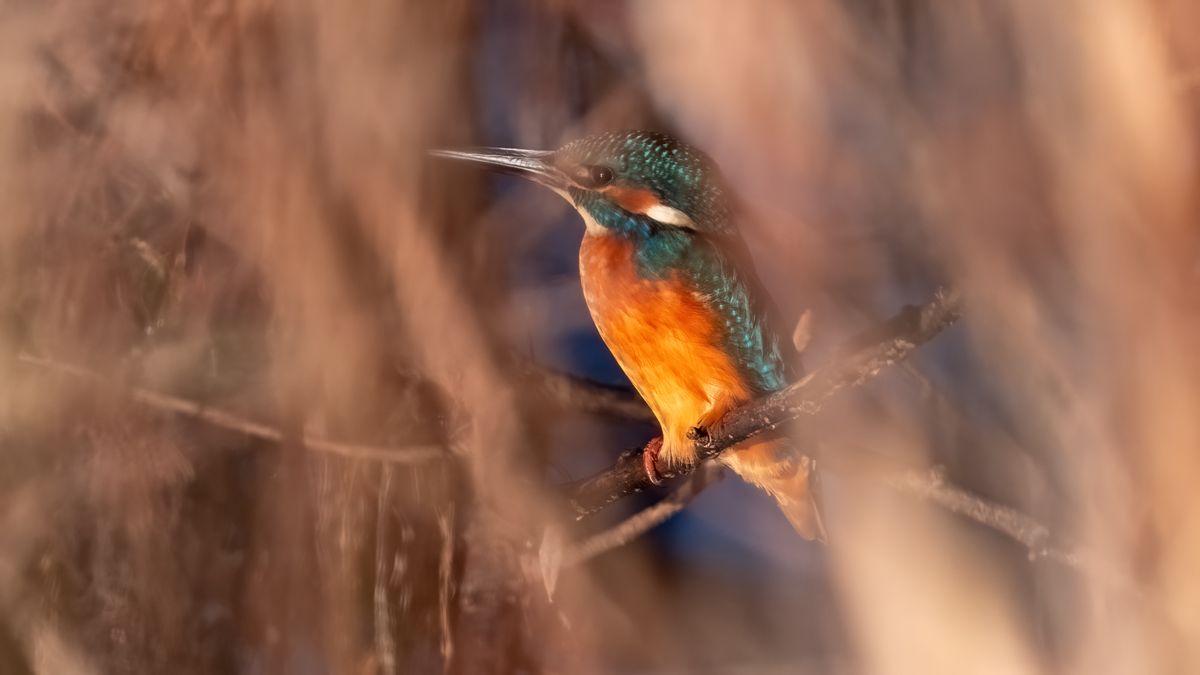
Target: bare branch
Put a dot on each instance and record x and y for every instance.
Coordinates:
(927, 485)
(930, 485)
(227, 420)
(889, 344)
(580, 394)
(645, 520)
(858, 362)
(1024, 529)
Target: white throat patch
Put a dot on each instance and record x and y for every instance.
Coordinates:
(589, 223)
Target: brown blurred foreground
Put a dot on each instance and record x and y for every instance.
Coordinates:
(231, 202)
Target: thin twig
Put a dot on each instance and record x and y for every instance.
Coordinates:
(580, 394)
(230, 421)
(1037, 539)
(645, 520)
(927, 485)
(1021, 528)
(863, 359)
(912, 327)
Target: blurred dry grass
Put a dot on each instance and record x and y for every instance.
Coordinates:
(231, 201)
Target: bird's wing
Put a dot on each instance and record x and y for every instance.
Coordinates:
(727, 238)
(733, 291)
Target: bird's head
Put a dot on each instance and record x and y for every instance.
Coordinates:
(631, 182)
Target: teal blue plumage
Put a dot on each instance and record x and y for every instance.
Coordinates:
(669, 283)
(712, 259)
(683, 178)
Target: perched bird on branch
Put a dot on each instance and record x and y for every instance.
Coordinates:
(670, 286)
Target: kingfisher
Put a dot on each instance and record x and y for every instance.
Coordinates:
(669, 283)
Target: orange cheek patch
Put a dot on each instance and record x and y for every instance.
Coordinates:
(634, 200)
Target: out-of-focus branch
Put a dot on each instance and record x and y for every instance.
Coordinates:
(232, 422)
(931, 486)
(1187, 81)
(385, 645)
(1020, 527)
(856, 363)
(645, 520)
(914, 326)
(928, 485)
(445, 577)
(579, 394)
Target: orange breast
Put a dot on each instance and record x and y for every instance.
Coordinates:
(663, 337)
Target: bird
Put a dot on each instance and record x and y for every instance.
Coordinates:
(670, 285)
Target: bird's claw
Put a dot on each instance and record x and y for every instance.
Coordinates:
(698, 434)
(649, 457)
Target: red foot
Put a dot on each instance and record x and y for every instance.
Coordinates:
(649, 457)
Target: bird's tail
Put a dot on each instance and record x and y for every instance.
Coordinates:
(786, 478)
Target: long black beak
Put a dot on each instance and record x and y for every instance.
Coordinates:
(532, 164)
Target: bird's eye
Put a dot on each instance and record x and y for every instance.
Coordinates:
(596, 176)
